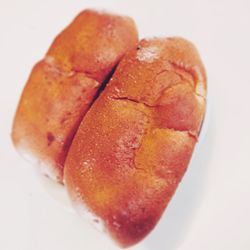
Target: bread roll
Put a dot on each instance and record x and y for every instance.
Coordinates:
(63, 85)
(134, 144)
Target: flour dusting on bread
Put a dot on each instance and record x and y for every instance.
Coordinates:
(148, 54)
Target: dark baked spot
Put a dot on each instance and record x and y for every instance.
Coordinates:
(50, 138)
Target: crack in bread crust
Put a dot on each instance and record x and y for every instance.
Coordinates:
(134, 101)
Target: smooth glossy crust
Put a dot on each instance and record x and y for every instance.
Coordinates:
(62, 87)
(133, 146)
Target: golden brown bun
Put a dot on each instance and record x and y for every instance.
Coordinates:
(62, 86)
(133, 146)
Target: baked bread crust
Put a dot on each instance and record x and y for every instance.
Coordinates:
(64, 84)
(133, 146)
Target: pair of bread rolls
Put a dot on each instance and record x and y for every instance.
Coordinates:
(120, 149)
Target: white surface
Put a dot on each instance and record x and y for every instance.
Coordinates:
(210, 210)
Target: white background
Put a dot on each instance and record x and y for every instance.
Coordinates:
(211, 209)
